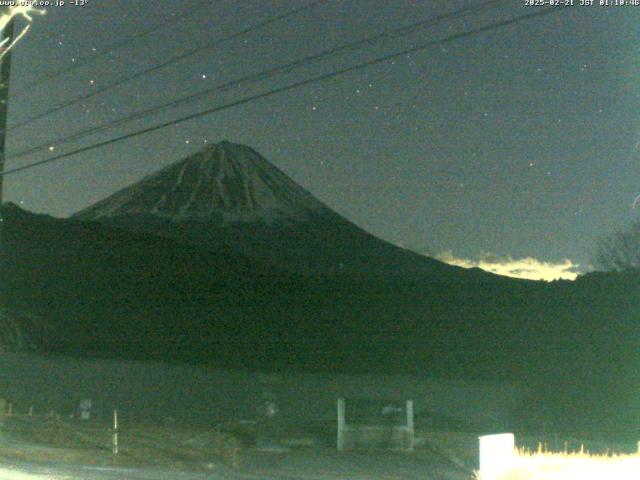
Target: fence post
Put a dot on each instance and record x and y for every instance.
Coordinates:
(114, 438)
(410, 428)
(341, 423)
(496, 455)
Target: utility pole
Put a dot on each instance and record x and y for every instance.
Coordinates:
(5, 75)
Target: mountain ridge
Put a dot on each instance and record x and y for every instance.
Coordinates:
(229, 194)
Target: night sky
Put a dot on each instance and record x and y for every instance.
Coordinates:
(523, 141)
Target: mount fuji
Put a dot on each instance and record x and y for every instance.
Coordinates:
(228, 194)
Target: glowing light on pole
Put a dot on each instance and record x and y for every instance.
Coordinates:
(25, 11)
(7, 42)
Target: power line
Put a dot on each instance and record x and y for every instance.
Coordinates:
(292, 86)
(126, 41)
(265, 74)
(171, 61)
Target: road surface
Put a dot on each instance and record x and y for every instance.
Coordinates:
(299, 464)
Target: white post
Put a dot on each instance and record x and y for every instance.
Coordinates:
(496, 455)
(341, 423)
(410, 430)
(114, 438)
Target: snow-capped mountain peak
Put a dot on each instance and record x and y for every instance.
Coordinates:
(225, 182)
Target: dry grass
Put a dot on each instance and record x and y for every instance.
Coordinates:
(527, 465)
(90, 442)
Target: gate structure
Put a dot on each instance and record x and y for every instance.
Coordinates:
(375, 424)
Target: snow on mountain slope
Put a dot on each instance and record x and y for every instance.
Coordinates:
(226, 183)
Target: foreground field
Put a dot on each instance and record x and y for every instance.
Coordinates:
(55, 448)
(297, 463)
(52, 447)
